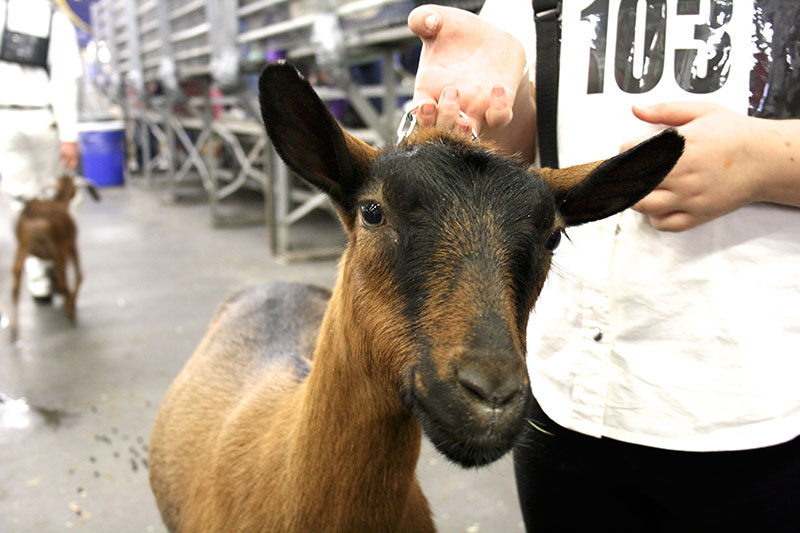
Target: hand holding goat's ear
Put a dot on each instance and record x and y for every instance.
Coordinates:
(731, 161)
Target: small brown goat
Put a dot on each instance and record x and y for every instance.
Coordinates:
(45, 229)
(302, 410)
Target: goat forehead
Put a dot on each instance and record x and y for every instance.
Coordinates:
(436, 179)
(469, 224)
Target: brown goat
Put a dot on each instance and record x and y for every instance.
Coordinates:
(302, 410)
(45, 229)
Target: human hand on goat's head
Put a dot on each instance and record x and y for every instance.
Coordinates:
(469, 65)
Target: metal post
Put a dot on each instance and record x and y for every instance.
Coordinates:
(281, 184)
(144, 138)
(390, 117)
(210, 156)
(135, 77)
(168, 76)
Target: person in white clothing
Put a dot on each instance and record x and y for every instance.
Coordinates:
(40, 66)
(663, 351)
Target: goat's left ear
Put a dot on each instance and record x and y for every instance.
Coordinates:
(597, 190)
(308, 138)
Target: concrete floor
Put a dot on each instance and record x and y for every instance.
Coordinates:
(79, 401)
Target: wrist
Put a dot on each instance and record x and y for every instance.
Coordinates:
(775, 152)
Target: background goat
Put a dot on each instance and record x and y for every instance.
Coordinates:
(45, 229)
(303, 411)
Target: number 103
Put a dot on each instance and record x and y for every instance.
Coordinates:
(638, 69)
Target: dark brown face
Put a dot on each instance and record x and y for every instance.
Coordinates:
(460, 240)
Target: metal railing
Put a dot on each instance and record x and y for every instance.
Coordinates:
(185, 72)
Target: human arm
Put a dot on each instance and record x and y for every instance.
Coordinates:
(485, 65)
(65, 72)
(730, 161)
(69, 154)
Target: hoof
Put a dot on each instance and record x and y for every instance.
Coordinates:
(43, 300)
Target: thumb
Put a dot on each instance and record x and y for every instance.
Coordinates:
(425, 22)
(673, 113)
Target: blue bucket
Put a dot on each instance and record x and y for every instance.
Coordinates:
(102, 147)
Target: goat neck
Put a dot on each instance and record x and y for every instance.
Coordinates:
(353, 427)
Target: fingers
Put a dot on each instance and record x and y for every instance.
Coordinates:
(449, 106)
(426, 113)
(673, 113)
(447, 115)
(499, 114)
(442, 115)
(675, 222)
(463, 126)
(665, 114)
(658, 203)
(425, 22)
(666, 212)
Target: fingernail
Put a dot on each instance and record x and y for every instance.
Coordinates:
(431, 21)
(450, 94)
(427, 109)
(499, 98)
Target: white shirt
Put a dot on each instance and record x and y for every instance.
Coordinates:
(31, 86)
(684, 341)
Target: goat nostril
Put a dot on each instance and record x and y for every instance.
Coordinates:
(494, 392)
(473, 388)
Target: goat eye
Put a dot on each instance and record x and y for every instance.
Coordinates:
(553, 240)
(371, 214)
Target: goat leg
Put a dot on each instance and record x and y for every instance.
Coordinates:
(73, 252)
(63, 287)
(19, 261)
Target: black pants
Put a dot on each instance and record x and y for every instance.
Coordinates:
(571, 482)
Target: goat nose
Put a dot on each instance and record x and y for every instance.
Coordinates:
(489, 386)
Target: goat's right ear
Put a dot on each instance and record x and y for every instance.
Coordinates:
(308, 138)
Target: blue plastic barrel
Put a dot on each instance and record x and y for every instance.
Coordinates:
(102, 146)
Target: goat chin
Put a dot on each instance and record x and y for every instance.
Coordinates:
(472, 441)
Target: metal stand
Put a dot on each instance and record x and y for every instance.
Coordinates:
(215, 134)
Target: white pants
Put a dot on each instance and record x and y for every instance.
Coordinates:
(30, 164)
(30, 153)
